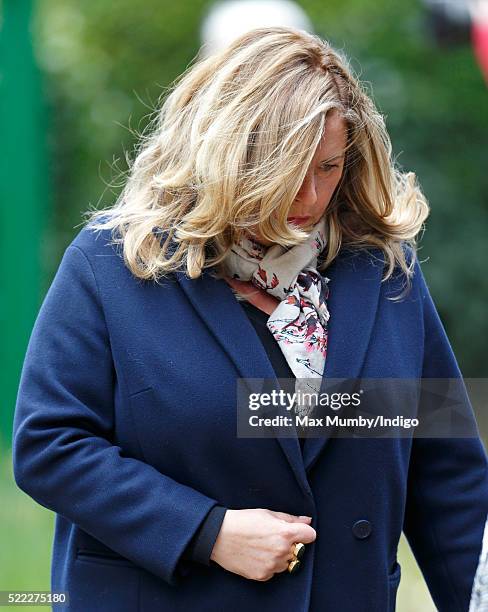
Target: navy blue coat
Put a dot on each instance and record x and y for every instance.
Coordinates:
(125, 427)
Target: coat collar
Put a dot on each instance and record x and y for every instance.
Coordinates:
(355, 279)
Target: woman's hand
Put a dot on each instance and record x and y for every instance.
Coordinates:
(257, 543)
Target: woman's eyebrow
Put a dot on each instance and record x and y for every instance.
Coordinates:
(332, 158)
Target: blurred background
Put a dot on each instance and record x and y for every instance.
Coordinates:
(78, 82)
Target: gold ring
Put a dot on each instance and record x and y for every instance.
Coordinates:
(299, 549)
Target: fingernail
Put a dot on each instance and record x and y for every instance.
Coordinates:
(305, 517)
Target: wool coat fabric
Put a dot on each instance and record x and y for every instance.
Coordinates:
(125, 427)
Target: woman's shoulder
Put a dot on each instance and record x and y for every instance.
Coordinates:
(95, 242)
(98, 251)
(371, 264)
(103, 249)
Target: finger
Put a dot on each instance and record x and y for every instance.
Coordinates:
(283, 567)
(292, 518)
(303, 533)
(284, 516)
(266, 578)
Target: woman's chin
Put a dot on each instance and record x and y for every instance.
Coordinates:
(305, 227)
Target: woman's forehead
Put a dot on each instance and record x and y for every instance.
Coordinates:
(334, 137)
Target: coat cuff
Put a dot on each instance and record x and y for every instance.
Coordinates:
(201, 545)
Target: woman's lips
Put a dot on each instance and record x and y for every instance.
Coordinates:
(299, 220)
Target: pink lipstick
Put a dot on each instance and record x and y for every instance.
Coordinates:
(299, 220)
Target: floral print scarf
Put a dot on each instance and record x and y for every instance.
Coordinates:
(299, 322)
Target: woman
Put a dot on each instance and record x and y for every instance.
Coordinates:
(266, 165)
(479, 594)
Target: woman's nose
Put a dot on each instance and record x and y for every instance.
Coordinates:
(307, 195)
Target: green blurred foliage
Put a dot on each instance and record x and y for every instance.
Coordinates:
(107, 64)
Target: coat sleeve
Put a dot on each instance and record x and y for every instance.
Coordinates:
(201, 546)
(63, 456)
(447, 497)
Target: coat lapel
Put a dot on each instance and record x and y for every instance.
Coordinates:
(355, 280)
(216, 304)
(354, 290)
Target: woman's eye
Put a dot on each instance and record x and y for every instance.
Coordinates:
(328, 167)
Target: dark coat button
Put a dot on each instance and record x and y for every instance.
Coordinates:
(361, 529)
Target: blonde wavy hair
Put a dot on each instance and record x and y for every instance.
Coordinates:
(228, 151)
